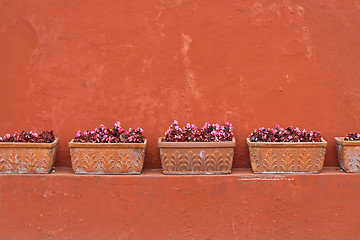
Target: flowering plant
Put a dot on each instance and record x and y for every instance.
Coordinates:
(280, 134)
(352, 137)
(191, 133)
(110, 135)
(30, 137)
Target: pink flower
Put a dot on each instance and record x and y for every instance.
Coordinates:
(112, 135)
(190, 133)
(43, 137)
(352, 137)
(284, 135)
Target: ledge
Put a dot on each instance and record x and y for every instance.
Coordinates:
(241, 205)
(236, 172)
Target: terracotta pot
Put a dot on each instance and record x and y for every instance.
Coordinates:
(27, 157)
(107, 158)
(196, 157)
(348, 154)
(288, 157)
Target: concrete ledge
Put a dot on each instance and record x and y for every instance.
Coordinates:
(242, 205)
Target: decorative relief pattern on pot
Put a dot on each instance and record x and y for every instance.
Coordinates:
(287, 159)
(352, 156)
(107, 161)
(196, 161)
(26, 160)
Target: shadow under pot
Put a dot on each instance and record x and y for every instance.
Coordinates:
(194, 158)
(287, 157)
(348, 154)
(107, 158)
(19, 157)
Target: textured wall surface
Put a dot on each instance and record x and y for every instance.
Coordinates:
(69, 65)
(155, 206)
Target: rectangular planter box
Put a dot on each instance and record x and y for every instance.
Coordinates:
(107, 158)
(196, 157)
(348, 154)
(18, 157)
(288, 157)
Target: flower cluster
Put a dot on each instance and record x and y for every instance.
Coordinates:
(110, 135)
(30, 137)
(191, 133)
(280, 134)
(352, 137)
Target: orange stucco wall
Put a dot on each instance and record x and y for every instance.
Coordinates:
(69, 65)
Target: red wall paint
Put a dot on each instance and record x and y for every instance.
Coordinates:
(69, 65)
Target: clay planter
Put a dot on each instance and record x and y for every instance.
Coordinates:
(18, 157)
(196, 157)
(107, 158)
(348, 154)
(287, 157)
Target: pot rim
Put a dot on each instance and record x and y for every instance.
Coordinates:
(323, 143)
(341, 141)
(224, 144)
(73, 144)
(28, 144)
